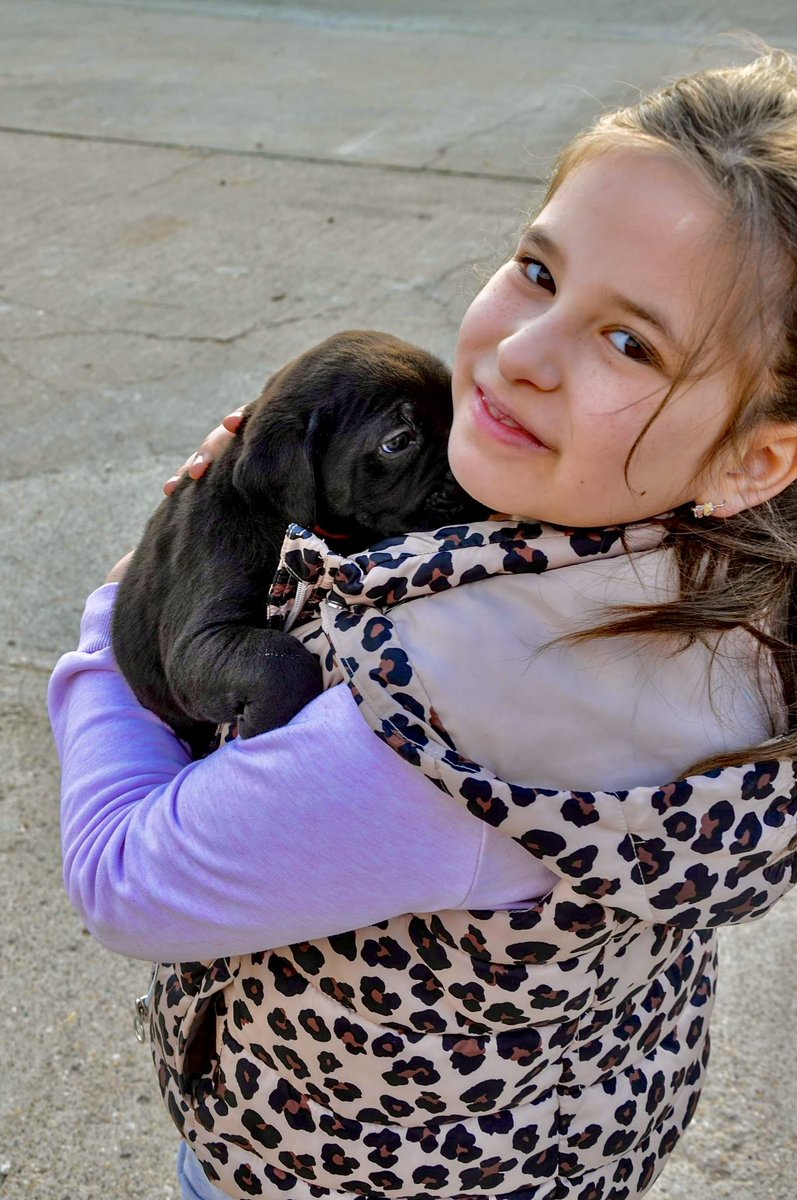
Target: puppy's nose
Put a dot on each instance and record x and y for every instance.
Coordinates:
(450, 502)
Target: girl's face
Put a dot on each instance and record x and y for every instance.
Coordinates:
(571, 346)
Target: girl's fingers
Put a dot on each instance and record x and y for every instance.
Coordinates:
(200, 462)
(214, 443)
(233, 420)
(172, 483)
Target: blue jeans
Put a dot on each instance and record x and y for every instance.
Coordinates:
(194, 1183)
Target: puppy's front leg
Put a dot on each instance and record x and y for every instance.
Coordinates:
(259, 677)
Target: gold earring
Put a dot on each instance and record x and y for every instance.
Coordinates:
(705, 510)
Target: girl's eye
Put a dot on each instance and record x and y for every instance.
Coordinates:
(538, 273)
(398, 442)
(629, 346)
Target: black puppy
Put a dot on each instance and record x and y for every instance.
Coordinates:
(348, 438)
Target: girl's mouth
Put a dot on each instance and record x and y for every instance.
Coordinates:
(492, 420)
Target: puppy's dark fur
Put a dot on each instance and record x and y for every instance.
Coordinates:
(351, 438)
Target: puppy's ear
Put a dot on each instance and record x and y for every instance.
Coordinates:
(275, 466)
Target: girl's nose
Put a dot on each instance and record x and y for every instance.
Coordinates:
(528, 355)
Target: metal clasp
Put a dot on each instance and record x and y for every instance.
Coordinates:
(141, 1006)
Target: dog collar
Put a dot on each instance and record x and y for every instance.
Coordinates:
(330, 537)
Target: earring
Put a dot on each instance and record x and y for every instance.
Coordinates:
(705, 510)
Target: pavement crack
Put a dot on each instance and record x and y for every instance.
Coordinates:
(318, 160)
(93, 331)
(483, 131)
(182, 169)
(431, 288)
(149, 335)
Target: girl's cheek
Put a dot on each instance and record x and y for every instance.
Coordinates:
(484, 311)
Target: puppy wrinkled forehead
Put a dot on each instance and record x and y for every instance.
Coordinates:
(408, 413)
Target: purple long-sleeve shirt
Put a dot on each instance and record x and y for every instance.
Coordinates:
(299, 833)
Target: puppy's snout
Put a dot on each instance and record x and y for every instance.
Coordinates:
(448, 501)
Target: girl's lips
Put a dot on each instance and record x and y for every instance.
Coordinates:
(492, 420)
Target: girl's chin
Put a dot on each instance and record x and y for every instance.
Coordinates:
(486, 485)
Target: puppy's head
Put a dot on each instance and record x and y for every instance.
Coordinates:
(352, 437)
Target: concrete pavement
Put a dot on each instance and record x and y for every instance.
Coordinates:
(192, 192)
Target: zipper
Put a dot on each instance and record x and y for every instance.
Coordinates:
(302, 589)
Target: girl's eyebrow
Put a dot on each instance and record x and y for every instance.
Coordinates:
(533, 233)
(538, 238)
(657, 320)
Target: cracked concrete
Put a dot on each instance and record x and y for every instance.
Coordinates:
(305, 159)
(95, 331)
(197, 191)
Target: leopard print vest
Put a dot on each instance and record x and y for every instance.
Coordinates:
(552, 1050)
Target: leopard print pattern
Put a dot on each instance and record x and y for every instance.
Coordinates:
(552, 1051)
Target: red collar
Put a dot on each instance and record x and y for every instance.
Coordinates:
(330, 537)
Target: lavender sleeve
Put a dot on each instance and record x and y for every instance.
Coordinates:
(300, 833)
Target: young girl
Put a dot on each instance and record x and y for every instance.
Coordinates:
(522, 1007)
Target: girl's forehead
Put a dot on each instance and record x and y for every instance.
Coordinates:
(636, 194)
(637, 222)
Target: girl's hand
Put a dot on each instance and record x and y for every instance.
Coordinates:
(214, 443)
(117, 573)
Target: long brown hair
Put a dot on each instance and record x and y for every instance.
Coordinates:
(737, 127)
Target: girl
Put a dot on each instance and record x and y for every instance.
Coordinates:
(537, 1026)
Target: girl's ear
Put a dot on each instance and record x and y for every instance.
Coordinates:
(768, 466)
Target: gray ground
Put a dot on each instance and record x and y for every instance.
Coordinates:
(193, 191)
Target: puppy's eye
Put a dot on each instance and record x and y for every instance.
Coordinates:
(398, 442)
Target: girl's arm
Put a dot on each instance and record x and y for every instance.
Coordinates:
(306, 831)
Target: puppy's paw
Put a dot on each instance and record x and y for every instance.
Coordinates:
(297, 682)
